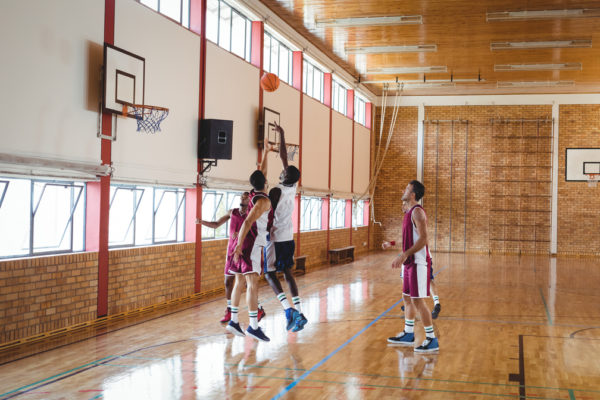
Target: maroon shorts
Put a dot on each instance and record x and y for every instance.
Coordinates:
(416, 280)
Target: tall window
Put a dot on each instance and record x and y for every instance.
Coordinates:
(337, 215)
(359, 110)
(228, 28)
(278, 58)
(178, 10)
(41, 217)
(339, 97)
(310, 217)
(143, 215)
(358, 213)
(215, 204)
(312, 81)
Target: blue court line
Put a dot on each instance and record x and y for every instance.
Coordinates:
(97, 397)
(55, 376)
(317, 365)
(546, 307)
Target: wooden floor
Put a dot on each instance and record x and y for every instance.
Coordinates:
(510, 327)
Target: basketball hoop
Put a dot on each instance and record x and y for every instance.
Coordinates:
(592, 179)
(148, 117)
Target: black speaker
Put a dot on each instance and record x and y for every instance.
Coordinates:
(215, 139)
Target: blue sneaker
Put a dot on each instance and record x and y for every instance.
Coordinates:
(291, 314)
(300, 321)
(403, 339)
(234, 327)
(430, 345)
(257, 334)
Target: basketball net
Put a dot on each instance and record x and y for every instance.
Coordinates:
(592, 180)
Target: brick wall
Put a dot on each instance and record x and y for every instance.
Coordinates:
(500, 216)
(142, 276)
(313, 245)
(579, 205)
(399, 168)
(359, 238)
(213, 264)
(42, 294)
(339, 238)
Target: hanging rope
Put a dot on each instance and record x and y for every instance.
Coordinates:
(380, 156)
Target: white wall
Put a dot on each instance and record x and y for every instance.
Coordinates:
(51, 55)
(232, 94)
(362, 158)
(172, 56)
(315, 145)
(341, 154)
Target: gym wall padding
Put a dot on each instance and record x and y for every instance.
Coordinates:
(341, 155)
(232, 94)
(172, 56)
(362, 160)
(51, 79)
(315, 146)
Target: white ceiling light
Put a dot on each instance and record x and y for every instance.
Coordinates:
(544, 44)
(538, 67)
(534, 84)
(469, 80)
(407, 70)
(542, 14)
(419, 48)
(371, 21)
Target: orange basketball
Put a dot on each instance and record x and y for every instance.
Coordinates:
(269, 82)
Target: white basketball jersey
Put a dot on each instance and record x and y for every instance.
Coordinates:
(283, 227)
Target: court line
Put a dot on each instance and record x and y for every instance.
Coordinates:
(317, 365)
(546, 307)
(399, 387)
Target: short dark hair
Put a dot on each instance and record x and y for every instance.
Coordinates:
(257, 180)
(418, 189)
(292, 175)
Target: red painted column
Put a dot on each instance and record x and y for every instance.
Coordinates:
(368, 108)
(325, 215)
(297, 66)
(350, 114)
(327, 101)
(256, 59)
(98, 193)
(348, 216)
(198, 25)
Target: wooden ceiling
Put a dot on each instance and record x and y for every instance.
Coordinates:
(463, 37)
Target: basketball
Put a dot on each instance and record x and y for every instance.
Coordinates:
(269, 82)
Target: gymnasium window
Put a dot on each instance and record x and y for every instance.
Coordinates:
(41, 217)
(177, 10)
(337, 214)
(143, 215)
(228, 28)
(358, 213)
(278, 58)
(339, 97)
(312, 81)
(310, 216)
(215, 204)
(359, 110)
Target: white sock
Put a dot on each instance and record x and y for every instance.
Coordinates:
(234, 314)
(429, 332)
(436, 299)
(253, 319)
(283, 300)
(296, 301)
(409, 325)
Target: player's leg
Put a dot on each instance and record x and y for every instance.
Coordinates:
(234, 324)
(419, 293)
(437, 307)
(252, 295)
(229, 282)
(407, 336)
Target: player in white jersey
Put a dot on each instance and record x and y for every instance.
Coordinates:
(279, 251)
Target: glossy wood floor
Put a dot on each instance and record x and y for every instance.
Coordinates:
(510, 327)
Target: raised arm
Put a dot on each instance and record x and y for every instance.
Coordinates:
(282, 148)
(262, 205)
(265, 158)
(217, 223)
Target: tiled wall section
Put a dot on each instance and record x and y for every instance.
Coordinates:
(579, 205)
(42, 294)
(143, 276)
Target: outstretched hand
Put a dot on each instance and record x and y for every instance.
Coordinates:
(386, 245)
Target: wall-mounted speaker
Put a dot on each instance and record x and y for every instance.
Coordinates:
(215, 139)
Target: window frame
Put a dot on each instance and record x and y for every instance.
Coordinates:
(310, 205)
(228, 196)
(334, 204)
(290, 61)
(183, 4)
(306, 66)
(338, 89)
